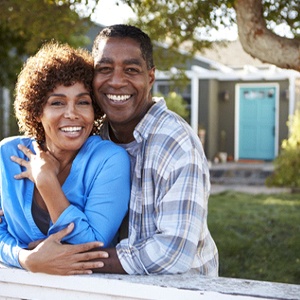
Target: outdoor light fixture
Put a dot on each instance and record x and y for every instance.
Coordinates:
(224, 96)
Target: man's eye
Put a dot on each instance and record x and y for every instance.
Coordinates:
(132, 71)
(102, 70)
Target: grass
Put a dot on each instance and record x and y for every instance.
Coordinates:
(258, 236)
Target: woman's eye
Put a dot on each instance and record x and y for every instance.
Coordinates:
(85, 102)
(56, 103)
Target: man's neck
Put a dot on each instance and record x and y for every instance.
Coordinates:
(121, 135)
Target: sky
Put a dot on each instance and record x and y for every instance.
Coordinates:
(108, 13)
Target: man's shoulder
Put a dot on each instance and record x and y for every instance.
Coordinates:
(160, 118)
(172, 125)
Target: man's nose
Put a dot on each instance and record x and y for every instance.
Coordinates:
(118, 79)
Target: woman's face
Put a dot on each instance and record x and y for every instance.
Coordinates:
(67, 118)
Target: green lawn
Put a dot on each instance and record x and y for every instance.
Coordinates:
(258, 236)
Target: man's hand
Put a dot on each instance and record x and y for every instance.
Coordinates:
(52, 257)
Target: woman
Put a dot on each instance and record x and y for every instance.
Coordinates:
(59, 172)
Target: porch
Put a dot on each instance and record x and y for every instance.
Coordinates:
(243, 176)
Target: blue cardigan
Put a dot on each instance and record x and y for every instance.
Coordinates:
(98, 188)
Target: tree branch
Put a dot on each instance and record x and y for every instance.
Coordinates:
(260, 42)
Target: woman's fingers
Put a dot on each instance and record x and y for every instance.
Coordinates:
(25, 150)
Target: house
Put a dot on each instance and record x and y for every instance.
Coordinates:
(242, 104)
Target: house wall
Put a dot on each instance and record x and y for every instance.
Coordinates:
(213, 119)
(226, 110)
(208, 117)
(284, 111)
(217, 113)
(203, 118)
(226, 107)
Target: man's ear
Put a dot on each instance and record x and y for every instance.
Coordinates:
(151, 76)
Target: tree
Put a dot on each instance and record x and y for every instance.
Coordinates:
(259, 41)
(174, 22)
(26, 24)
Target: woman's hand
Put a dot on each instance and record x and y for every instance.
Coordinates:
(53, 257)
(39, 166)
(1, 215)
(42, 169)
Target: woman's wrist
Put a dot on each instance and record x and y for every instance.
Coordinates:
(23, 258)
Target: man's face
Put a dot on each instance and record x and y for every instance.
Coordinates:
(122, 82)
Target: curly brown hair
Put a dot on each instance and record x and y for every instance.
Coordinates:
(54, 64)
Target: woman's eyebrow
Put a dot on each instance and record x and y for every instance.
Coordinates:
(56, 95)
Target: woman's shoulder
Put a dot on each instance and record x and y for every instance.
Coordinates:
(97, 144)
(13, 141)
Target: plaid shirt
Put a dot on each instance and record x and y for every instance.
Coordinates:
(168, 231)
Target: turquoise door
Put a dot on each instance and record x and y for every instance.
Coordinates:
(257, 123)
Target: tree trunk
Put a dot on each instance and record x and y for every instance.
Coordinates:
(262, 43)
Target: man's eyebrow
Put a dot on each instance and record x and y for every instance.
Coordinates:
(130, 61)
(133, 61)
(105, 60)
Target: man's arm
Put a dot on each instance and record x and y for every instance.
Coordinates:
(111, 264)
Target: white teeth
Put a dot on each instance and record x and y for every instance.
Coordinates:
(118, 97)
(70, 129)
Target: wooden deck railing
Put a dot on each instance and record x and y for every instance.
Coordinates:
(19, 284)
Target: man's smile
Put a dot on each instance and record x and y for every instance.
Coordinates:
(118, 98)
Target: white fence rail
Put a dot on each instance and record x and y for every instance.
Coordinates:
(19, 284)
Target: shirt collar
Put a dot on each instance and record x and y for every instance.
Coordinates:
(143, 128)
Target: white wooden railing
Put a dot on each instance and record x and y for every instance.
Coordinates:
(20, 284)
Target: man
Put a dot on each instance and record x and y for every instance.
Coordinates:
(167, 230)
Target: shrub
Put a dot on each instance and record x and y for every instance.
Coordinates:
(287, 164)
(176, 103)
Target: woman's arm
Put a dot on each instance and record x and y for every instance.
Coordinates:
(42, 169)
(107, 198)
(9, 247)
(106, 201)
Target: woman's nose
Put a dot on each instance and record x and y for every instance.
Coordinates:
(71, 112)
